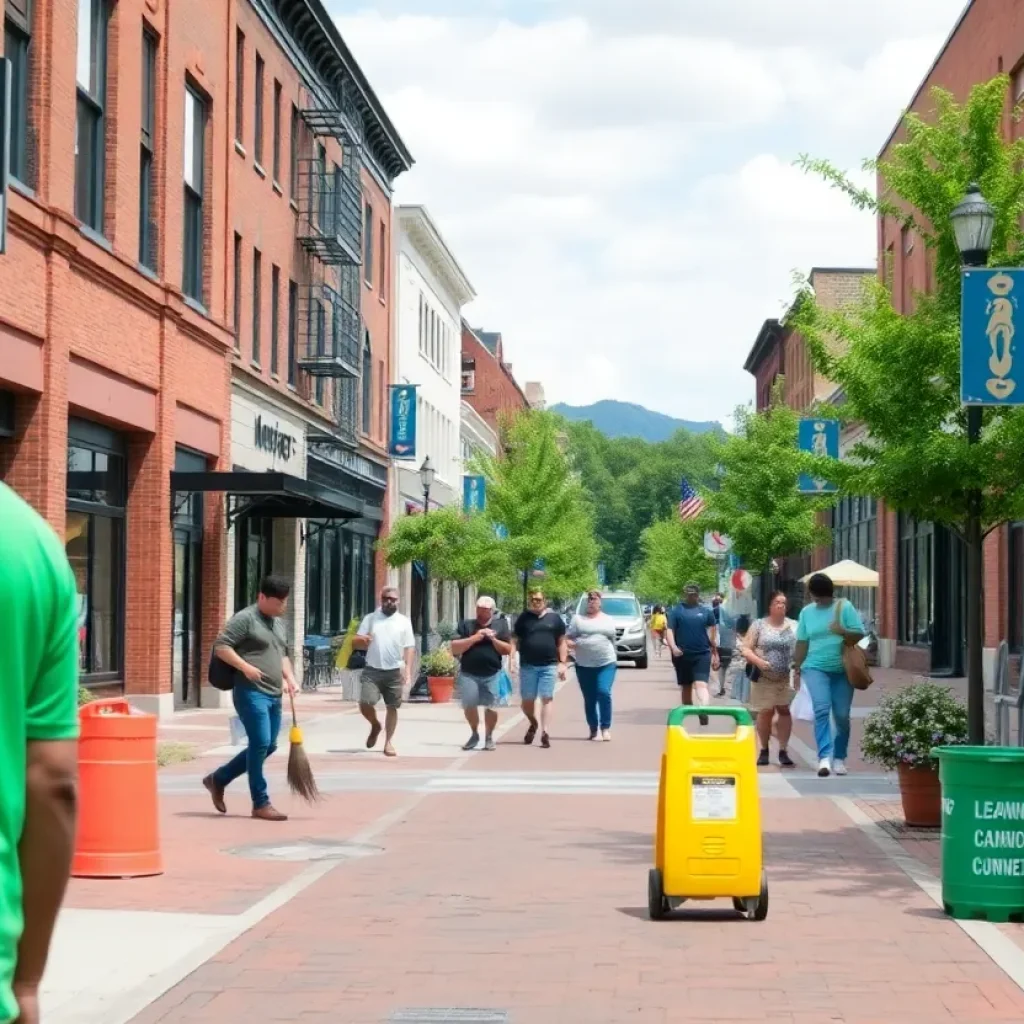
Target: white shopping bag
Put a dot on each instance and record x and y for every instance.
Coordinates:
(237, 731)
(802, 709)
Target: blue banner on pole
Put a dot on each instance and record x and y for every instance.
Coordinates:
(403, 421)
(501, 532)
(474, 493)
(538, 567)
(820, 437)
(602, 574)
(989, 306)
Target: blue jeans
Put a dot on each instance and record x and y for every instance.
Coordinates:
(261, 717)
(596, 684)
(832, 697)
(537, 681)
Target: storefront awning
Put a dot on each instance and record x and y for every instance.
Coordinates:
(275, 496)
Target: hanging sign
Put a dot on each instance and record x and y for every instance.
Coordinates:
(403, 421)
(819, 437)
(474, 493)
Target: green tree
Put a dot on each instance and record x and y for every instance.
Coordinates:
(542, 507)
(757, 503)
(673, 555)
(901, 372)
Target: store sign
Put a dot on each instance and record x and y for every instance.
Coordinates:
(403, 421)
(272, 439)
(474, 493)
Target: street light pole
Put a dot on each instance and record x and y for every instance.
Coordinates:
(973, 221)
(427, 479)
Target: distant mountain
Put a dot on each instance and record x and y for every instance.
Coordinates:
(623, 419)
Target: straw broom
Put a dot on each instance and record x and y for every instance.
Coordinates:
(300, 775)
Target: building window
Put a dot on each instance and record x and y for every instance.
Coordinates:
(382, 400)
(238, 292)
(94, 540)
(254, 557)
(275, 316)
(90, 145)
(239, 85)
(854, 527)
(916, 578)
(1015, 610)
(367, 382)
(257, 142)
(277, 131)
(368, 245)
(293, 155)
(18, 50)
(293, 331)
(147, 228)
(257, 303)
(195, 139)
(383, 257)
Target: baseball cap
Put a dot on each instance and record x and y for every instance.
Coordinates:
(485, 602)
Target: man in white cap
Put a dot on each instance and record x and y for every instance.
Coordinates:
(480, 645)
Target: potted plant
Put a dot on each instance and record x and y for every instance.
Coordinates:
(446, 632)
(900, 734)
(439, 667)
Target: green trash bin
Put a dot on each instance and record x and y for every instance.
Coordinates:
(982, 832)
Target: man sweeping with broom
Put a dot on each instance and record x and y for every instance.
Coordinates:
(253, 643)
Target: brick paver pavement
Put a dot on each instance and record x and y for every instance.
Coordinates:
(535, 904)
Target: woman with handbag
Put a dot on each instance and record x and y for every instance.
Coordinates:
(826, 630)
(768, 651)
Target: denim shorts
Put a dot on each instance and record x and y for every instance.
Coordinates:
(478, 691)
(537, 681)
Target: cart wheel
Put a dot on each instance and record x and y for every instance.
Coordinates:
(740, 906)
(759, 908)
(657, 902)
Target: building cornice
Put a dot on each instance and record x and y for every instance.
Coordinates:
(767, 337)
(419, 227)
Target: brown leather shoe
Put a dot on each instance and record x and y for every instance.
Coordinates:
(268, 813)
(216, 794)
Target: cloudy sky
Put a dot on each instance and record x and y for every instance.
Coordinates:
(616, 176)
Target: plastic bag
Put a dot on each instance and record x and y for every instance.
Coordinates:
(802, 708)
(504, 689)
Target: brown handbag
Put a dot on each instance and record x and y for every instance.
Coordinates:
(855, 661)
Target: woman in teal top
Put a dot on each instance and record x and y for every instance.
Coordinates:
(821, 634)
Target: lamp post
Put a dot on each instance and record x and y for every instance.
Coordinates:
(427, 479)
(973, 220)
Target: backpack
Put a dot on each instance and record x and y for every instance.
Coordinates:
(220, 674)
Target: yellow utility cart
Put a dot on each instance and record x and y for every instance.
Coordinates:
(708, 842)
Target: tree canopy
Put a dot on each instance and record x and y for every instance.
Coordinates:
(672, 556)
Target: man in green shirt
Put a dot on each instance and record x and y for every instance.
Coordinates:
(38, 747)
(254, 644)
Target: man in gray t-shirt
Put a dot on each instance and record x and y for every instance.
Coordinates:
(253, 643)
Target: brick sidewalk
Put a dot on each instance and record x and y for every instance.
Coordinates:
(535, 905)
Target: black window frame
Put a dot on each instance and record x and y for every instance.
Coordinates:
(293, 332)
(257, 305)
(194, 230)
(914, 576)
(237, 311)
(368, 243)
(1015, 586)
(276, 115)
(366, 390)
(239, 87)
(382, 258)
(258, 88)
(293, 155)
(18, 50)
(275, 316)
(91, 120)
(147, 149)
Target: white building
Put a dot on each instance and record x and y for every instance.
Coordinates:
(432, 290)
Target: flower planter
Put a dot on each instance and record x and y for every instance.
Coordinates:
(921, 794)
(441, 688)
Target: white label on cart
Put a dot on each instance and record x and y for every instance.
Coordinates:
(713, 797)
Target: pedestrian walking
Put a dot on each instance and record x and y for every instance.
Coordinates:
(539, 638)
(725, 623)
(823, 628)
(480, 645)
(736, 681)
(693, 640)
(39, 655)
(254, 644)
(768, 653)
(592, 635)
(659, 623)
(390, 644)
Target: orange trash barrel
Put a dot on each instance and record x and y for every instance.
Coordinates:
(118, 832)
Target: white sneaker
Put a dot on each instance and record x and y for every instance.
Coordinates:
(839, 767)
(606, 735)
(824, 768)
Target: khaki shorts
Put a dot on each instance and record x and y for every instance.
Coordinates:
(770, 691)
(381, 684)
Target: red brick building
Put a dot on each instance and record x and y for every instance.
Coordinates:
(922, 606)
(197, 283)
(487, 381)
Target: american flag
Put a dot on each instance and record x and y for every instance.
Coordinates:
(691, 504)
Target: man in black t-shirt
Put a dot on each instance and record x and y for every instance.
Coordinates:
(480, 644)
(543, 654)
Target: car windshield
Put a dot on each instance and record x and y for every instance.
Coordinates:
(620, 606)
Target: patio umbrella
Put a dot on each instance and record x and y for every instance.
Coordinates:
(848, 573)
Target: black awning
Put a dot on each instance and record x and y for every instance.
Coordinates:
(275, 495)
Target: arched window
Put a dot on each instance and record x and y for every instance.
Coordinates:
(367, 411)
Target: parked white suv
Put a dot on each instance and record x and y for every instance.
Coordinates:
(630, 628)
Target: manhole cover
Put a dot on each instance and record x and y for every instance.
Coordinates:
(448, 1015)
(306, 849)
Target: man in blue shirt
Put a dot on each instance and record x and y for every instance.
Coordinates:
(693, 639)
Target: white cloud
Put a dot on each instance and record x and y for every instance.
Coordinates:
(621, 190)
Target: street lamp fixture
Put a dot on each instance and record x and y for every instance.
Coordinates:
(973, 220)
(427, 473)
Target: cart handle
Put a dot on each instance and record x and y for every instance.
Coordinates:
(741, 716)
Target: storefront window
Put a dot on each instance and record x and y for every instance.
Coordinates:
(854, 525)
(1015, 627)
(254, 551)
(916, 581)
(94, 540)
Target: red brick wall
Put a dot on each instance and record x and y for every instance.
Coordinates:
(769, 369)
(495, 391)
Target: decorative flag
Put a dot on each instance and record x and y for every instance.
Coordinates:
(691, 504)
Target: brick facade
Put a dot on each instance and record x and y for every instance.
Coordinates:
(85, 332)
(488, 384)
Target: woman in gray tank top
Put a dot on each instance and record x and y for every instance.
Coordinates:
(592, 636)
